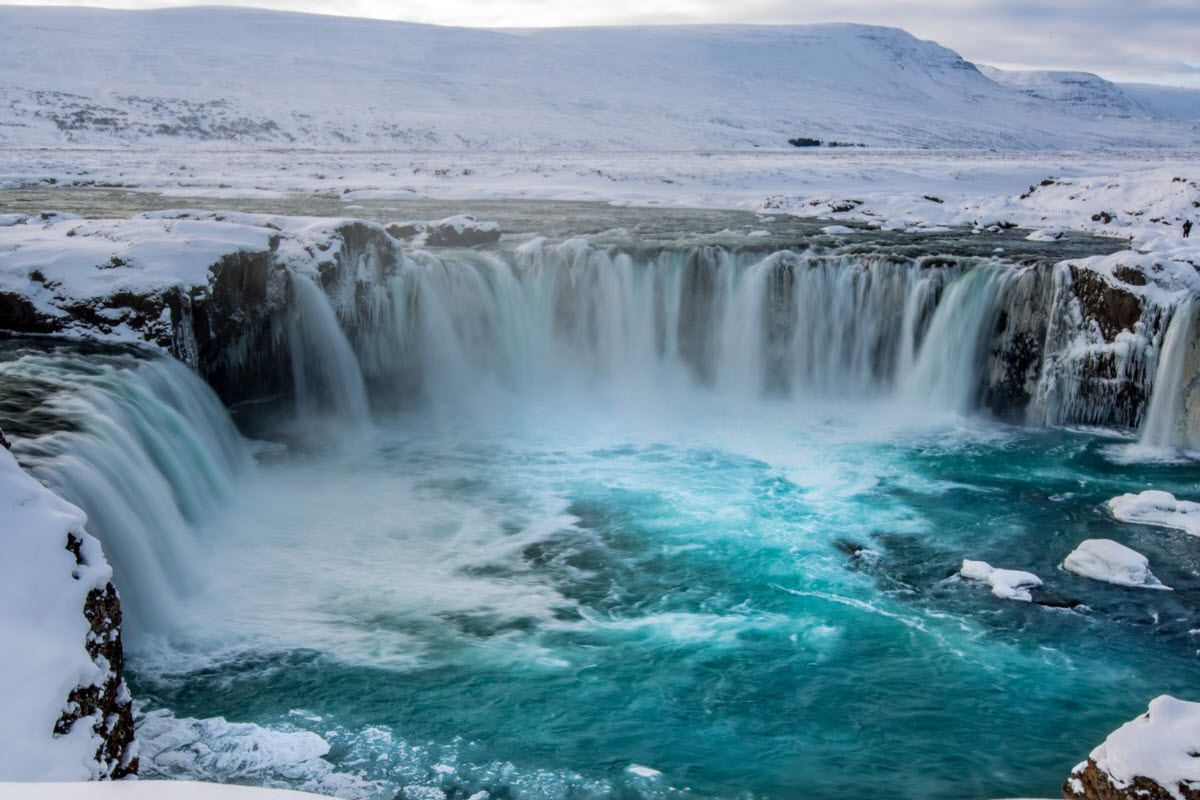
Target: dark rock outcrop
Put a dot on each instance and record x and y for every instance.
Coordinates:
(108, 706)
(1093, 783)
(463, 231)
(1155, 756)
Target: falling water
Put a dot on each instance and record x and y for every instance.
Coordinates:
(1166, 423)
(325, 373)
(144, 447)
(572, 316)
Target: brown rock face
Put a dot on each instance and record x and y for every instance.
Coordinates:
(1112, 308)
(108, 707)
(1096, 785)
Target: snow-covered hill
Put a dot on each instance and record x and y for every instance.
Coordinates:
(1091, 94)
(212, 75)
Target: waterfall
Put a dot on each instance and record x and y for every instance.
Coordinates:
(1167, 425)
(948, 372)
(325, 372)
(461, 325)
(143, 446)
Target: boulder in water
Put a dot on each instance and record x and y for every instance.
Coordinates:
(1154, 507)
(1007, 584)
(1111, 562)
(1153, 757)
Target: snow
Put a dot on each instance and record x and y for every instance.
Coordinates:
(643, 772)
(59, 262)
(1154, 507)
(1007, 584)
(1047, 235)
(1111, 562)
(837, 229)
(180, 77)
(1159, 745)
(97, 258)
(143, 790)
(42, 592)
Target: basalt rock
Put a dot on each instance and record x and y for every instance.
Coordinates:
(1092, 783)
(1152, 757)
(108, 707)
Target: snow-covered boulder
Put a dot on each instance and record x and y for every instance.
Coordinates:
(1154, 507)
(1150, 758)
(1111, 562)
(1047, 235)
(66, 712)
(459, 231)
(1007, 584)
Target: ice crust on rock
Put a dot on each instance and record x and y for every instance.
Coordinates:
(1111, 562)
(1154, 507)
(1007, 584)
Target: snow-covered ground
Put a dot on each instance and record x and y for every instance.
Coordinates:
(42, 594)
(143, 790)
(1142, 193)
(178, 77)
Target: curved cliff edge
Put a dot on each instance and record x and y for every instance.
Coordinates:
(1153, 757)
(67, 714)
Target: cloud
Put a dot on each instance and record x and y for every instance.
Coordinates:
(1153, 40)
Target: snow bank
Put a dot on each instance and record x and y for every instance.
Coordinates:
(1154, 507)
(1160, 746)
(43, 631)
(1007, 584)
(144, 790)
(1111, 562)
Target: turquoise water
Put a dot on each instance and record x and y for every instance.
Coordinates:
(754, 600)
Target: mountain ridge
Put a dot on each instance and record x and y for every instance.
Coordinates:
(217, 76)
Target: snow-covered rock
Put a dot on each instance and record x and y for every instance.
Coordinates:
(1047, 235)
(457, 231)
(1007, 584)
(1150, 758)
(66, 712)
(1154, 507)
(1111, 562)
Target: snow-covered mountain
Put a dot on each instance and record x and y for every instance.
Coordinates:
(1090, 94)
(200, 76)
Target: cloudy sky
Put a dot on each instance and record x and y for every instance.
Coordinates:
(1150, 40)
